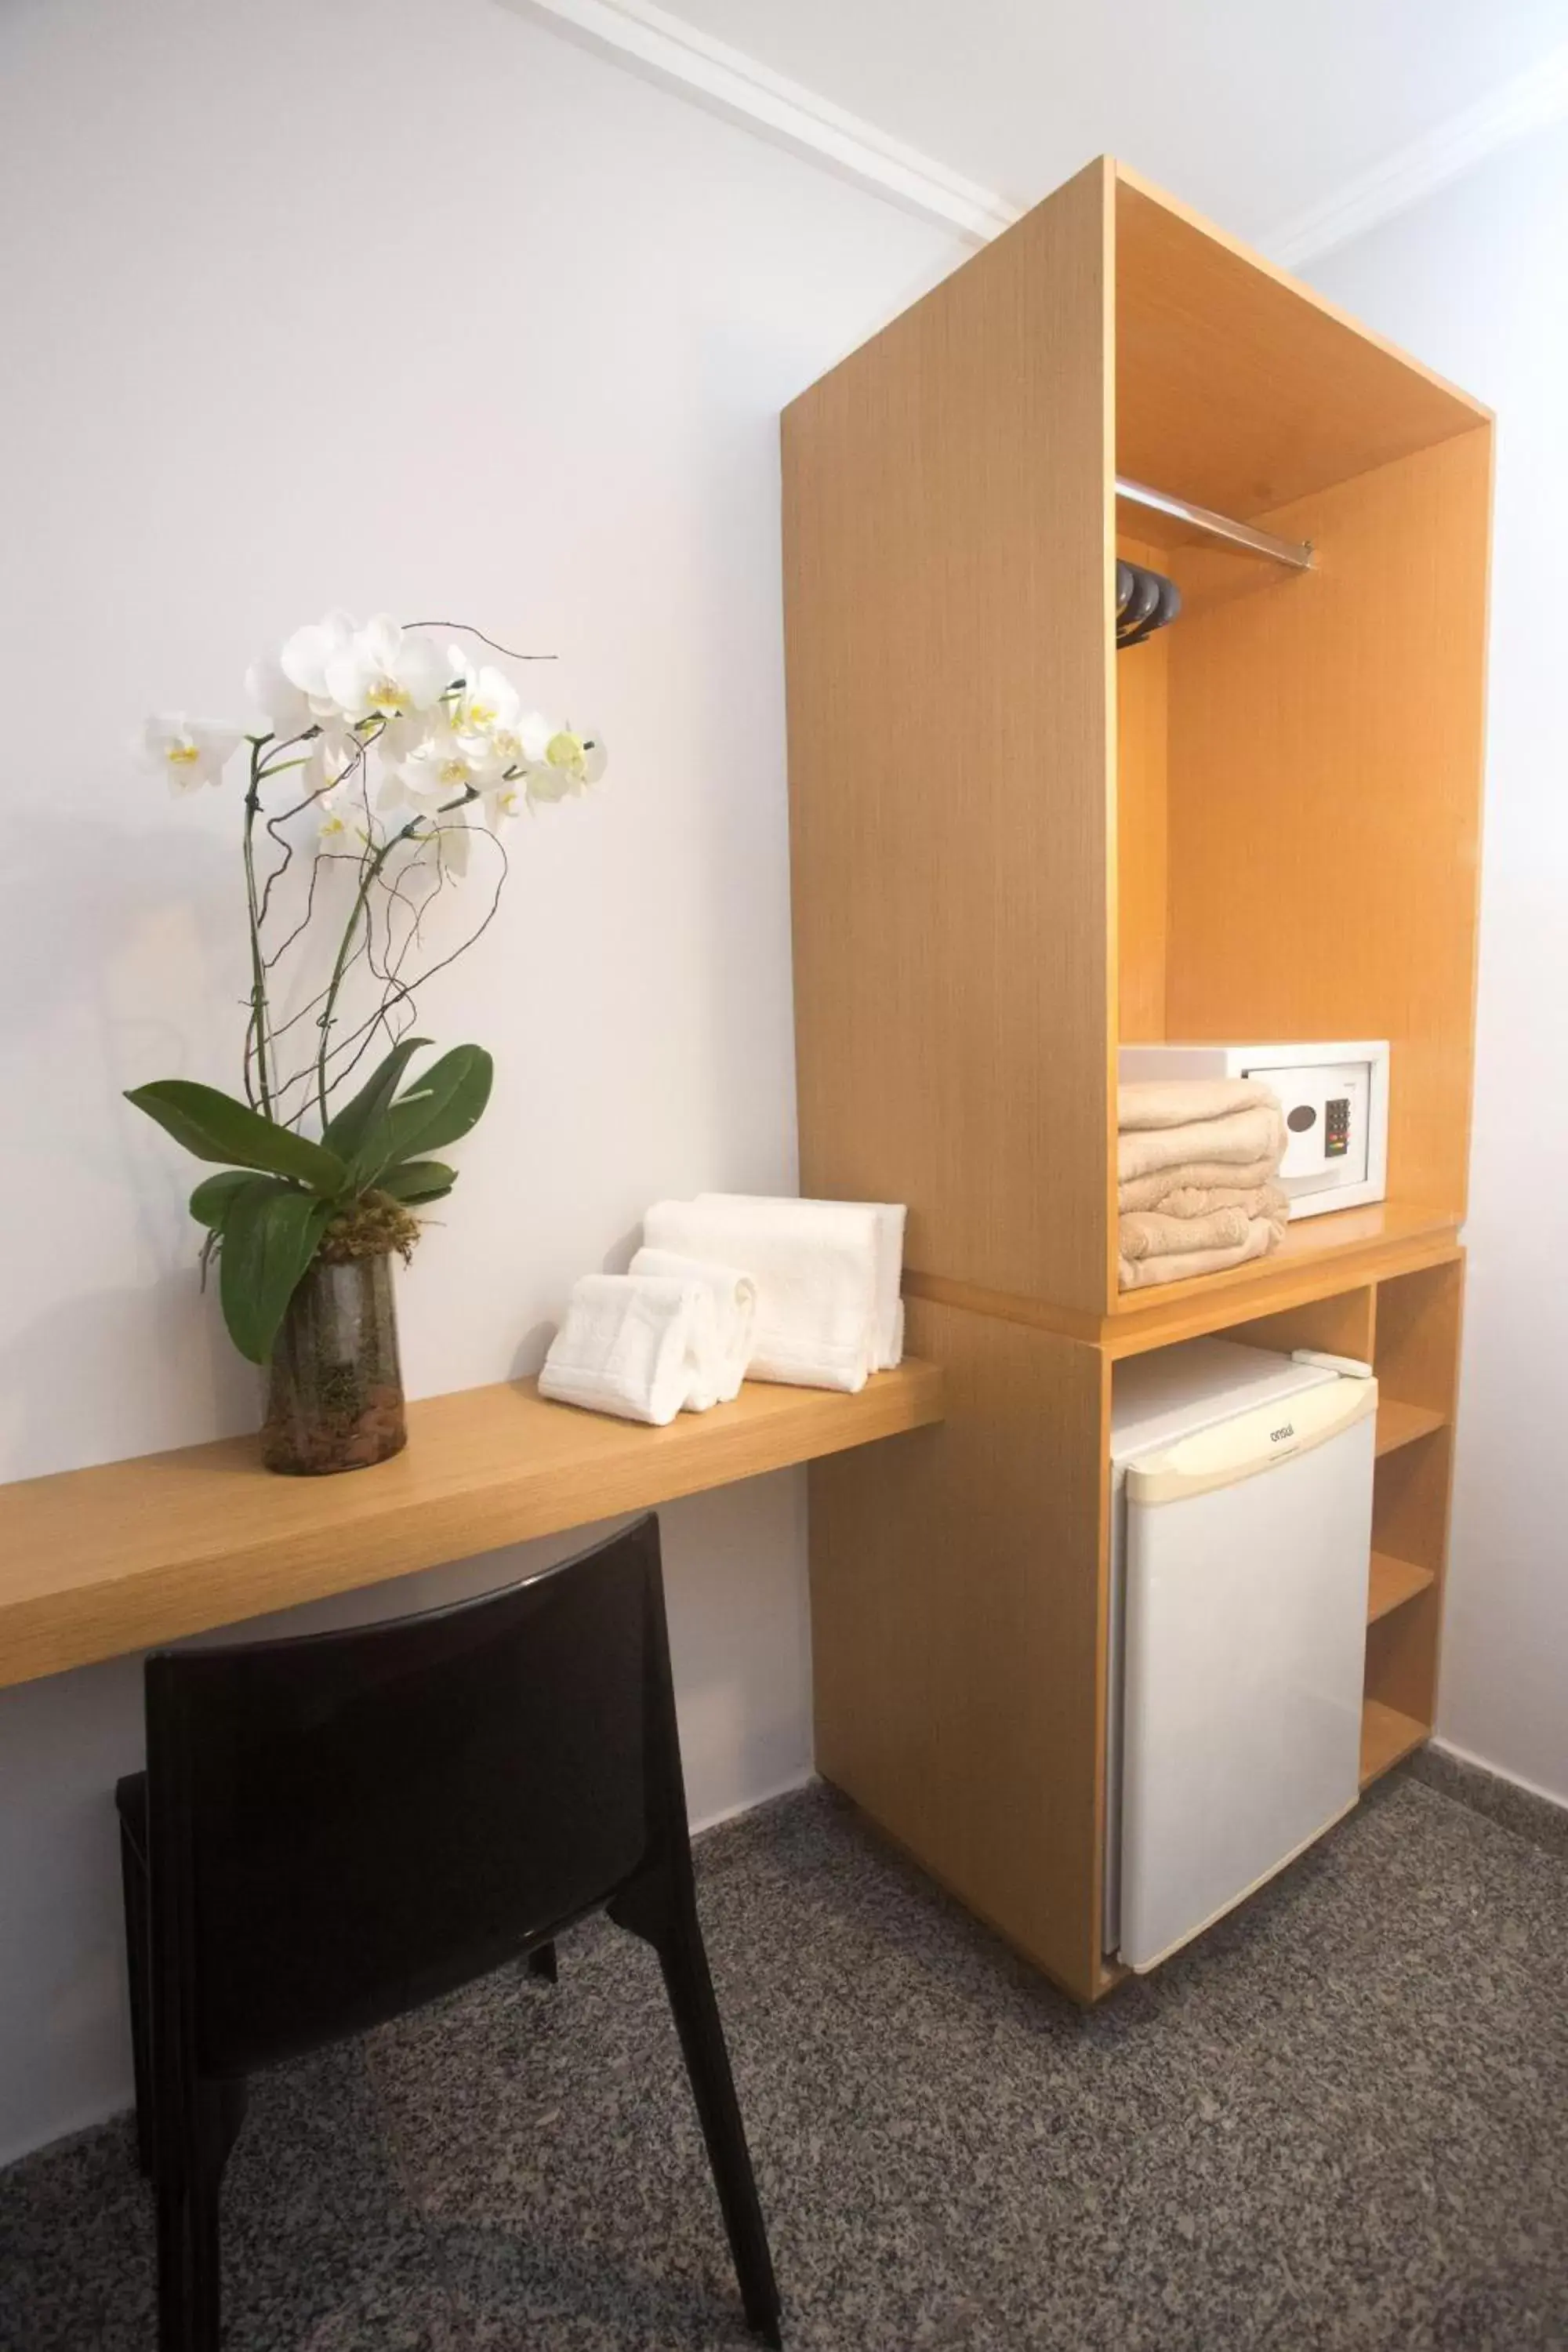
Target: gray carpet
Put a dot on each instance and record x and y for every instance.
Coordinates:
(1340, 2124)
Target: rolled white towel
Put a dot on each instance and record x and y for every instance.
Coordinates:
(815, 1266)
(630, 1345)
(888, 1347)
(717, 1380)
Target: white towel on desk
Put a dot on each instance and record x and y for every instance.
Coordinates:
(631, 1345)
(815, 1265)
(888, 1347)
(723, 1351)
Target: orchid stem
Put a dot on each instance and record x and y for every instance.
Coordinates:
(253, 913)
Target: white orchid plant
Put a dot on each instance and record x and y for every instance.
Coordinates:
(406, 757)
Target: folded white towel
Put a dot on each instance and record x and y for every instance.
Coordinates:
(630, 1345)
(814, 1264)
(1241, 1137)
(888, 1347)
(722, 1365)
(1178, 1102)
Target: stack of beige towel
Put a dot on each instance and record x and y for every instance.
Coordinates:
(1196, 1163)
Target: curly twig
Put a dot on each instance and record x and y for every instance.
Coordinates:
(272, 962)
(468, 630)
(396, 895)
(283, 816)
(404, 990)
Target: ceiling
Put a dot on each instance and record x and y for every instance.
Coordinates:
(1252, 111)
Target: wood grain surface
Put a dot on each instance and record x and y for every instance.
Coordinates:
(97, 1562)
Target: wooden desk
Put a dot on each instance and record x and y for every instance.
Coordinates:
(97, 1562)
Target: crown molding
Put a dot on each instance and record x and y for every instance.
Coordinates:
(1530, 102)
(664, 48)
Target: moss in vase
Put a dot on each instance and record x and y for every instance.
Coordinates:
(374, 1226)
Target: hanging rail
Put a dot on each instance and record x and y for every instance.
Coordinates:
(1295, 553)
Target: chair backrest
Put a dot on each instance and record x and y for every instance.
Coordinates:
(344, 1825)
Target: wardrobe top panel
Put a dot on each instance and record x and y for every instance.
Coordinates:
(1239, 387)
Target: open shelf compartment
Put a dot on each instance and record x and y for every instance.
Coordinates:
(1404, 1424)
(1391, 1582)
(1298, 755)
(1387, 1736)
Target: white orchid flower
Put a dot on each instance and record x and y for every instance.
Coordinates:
(486, 704)
(284, 707)
(504, 799)
(333, 753)
(448, 832)
(533, 733)
(304, 656)
(571, 763)
(515, 736)
(344, 827)
(453, 839)
(443, 764)
(521, 750)
(392, 739)
(383, 672)
(189, 751)
(544, 784)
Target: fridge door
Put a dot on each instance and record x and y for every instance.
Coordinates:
(1247, 1549)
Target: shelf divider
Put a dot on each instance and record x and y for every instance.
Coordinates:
(1386, 1737)
(1401, 1424)
(1392, 1583)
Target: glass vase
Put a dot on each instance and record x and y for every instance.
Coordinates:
(334, 1396)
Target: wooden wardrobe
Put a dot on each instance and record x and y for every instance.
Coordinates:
(1013, 847)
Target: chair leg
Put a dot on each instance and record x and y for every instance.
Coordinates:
(690, 1990)
(134, 1877)
(188, 2256)
(541, 1962)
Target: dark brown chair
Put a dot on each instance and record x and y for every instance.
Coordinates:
(334, 1829)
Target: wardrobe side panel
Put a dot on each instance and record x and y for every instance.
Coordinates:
(958, 1632)
(1325, 780)
(1420, 1332)
(1142, 883)
(947, 551)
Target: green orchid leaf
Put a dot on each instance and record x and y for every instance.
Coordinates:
(212, 1125)
(443, 1104)
(346, 1130)
(271, 1231)
(209, 1201)
(418, 1180)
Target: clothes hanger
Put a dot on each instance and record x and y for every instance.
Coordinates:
(1145, 600)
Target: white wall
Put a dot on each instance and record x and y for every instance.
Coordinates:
(403, 304)
(1473, 280)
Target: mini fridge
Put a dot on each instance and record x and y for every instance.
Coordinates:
(1241, 1543)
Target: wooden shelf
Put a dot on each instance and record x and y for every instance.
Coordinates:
(1401, 1424)
(1392, 1583)
(1386, 1737)
(94, 1563)
(1308, 1244)
(1319, 1259)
